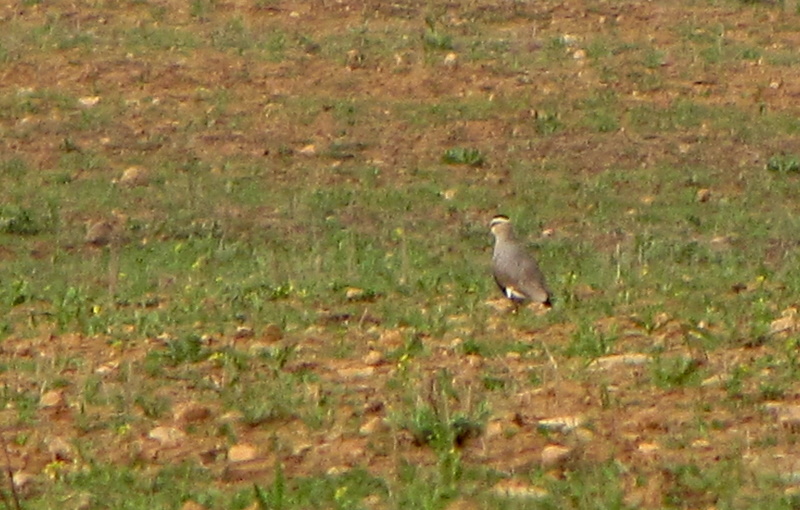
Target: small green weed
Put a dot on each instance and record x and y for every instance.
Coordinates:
(783, 163)
(438, 41)
(547, 123)
(14, 168)
(675, 372)
(434, 423)
(16, 220)
(435, 39)
(153, 406)
(589, 342)
(463, 156)
(190, 348)
(274, 497)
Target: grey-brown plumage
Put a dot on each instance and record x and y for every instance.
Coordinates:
(515, 270)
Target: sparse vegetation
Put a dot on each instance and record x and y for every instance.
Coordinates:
(784, 164)
(293, 307)
(463, 156)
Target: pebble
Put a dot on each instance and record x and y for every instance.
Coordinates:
(167, 436)
(242, 452)
(192, 412)
(373, 425)
(374, 358)
(52, 398)
(134, 176)
(555, 456)
(60, 449)
(616, 360)
(562, 423)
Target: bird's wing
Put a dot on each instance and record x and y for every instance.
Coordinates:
(518, 275)
(532, 282)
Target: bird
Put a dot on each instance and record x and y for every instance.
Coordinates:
(515, 270)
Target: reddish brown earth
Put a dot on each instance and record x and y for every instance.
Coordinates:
(622, 416)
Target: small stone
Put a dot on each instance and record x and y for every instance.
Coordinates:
(231, 417)
(252, 470)
(308, 150)
(167, 436)
(89, 101)
(451, 59)
(60, 449)
(555, 455)
(579, 54)
(134, 176)
(648, 448)
(374, 358)
(372, 426)
(51, 399)
(474, 360)
(518, 490)
(192, 412)
(788, 414)
(584, 435)
(584, 292)
(107, 368)
(244, 332)
(391, 339)
(715, 380)
(569, 40)
(562, 423)
(242, 452)
(703, 195)
(82, 501)
(608, 362)
(99, 233)
(355, 59)
(354, 294)
(374, 406)
(783, 325)
(212, 455)
(337, 470)
(272, 333)
(22, 479)
(355, 453)
(787, 323)
(301, 449)
(494, 429)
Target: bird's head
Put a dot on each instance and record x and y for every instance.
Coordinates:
(500, 226)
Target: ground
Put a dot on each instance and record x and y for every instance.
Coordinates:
(285, 277)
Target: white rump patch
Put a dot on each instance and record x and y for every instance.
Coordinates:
(512, 293)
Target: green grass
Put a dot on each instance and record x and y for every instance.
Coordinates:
(598, 160)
